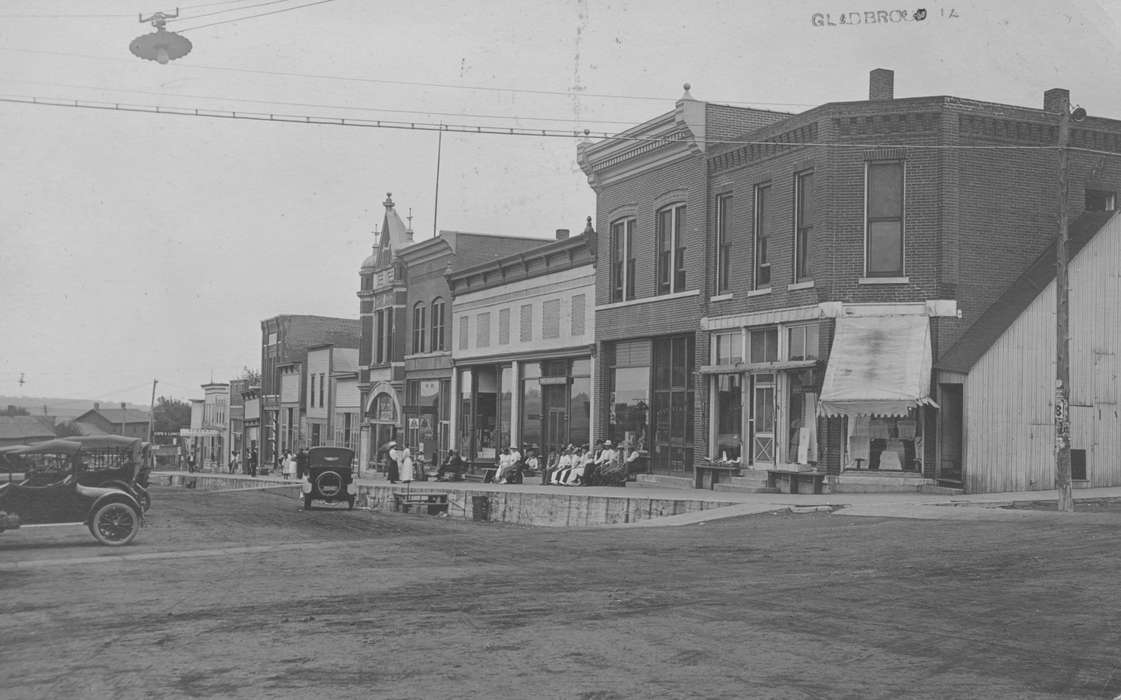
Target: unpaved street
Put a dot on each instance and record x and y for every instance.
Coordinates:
(239, 594)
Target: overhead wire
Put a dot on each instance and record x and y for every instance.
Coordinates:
(389, 110)
(262, 14)
(409, 83)
(220, 12)
(493, 130)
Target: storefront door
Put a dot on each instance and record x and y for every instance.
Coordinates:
(555, 400)
(763, 419)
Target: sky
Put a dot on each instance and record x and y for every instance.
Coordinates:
(139, 246)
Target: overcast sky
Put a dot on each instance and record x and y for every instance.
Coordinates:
(141, 246)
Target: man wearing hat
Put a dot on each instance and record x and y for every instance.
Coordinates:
(605, 461)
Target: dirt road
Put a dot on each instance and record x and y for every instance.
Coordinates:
(241, 595)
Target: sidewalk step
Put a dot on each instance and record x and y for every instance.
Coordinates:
(744, 488)
(662, 481)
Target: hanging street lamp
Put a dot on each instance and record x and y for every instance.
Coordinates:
(161, 45)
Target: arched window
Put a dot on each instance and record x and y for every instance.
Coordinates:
(439, 322)
(418, 327)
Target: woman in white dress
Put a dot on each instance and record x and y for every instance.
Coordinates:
(406, 465)
(289, 466)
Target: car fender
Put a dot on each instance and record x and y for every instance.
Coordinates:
(114, 496)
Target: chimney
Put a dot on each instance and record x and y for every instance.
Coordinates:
(881, 85)
(96, 406)
(562, 234)
(1056, 100)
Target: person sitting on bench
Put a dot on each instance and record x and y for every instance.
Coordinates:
(453, 467)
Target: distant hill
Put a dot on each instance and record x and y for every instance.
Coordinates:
(62, 408)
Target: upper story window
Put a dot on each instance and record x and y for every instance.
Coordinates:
(723, 243)
(439, 321)
(727, 348)
(1101, 200)
(482, 330)
(504, 326)
(578, 315)
(311, 391)
(762, 235)
(550, 318)
(322, 383)
(525, 333)
(464, 330)
(884, 233)
(622, 259)
(671, 249)
(418, 326)
(805, 215)
(380, 319)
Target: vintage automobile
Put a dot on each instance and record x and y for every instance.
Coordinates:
(329, 476)
(114, 460)
(49, 493)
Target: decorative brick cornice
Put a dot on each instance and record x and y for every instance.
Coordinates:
(888, 123)
(771, 146)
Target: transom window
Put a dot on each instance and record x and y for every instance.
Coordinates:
(762, 236)
(884, 254)
(723, 242)
(802, 342)
(763, 345)
(805, 215)
(671, 249)
(622, 259)
(727, 348)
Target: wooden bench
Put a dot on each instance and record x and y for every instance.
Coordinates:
(486, 475)
(436, 503)
(795, 478)
(708, 474)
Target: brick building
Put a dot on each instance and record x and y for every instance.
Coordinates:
(843, 251)
(522, 348)
(285, 340)
(405, 355)
(325, 363)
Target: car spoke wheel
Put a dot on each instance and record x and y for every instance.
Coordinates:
(115, 524)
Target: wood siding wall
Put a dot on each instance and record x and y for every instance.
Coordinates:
(1009, 393)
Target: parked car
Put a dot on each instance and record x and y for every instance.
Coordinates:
(49, 492)
(329, 476)
(114, 460)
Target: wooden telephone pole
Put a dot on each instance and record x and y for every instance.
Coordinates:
(1062, 322)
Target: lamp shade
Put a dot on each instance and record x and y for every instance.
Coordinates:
(160, 46)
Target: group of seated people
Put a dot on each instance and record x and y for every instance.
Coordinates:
(605, 464)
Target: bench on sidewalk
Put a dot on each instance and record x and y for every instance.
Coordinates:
(436, 503)
(792, 480)
(707, 474)
(486, 476)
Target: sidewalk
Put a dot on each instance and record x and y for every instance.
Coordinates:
(988, 506)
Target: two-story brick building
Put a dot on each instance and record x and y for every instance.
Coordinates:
(844, 252)
(522, 348)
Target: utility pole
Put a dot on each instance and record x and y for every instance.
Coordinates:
(152, 410)
(1062, 323)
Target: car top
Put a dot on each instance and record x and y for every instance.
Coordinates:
(330, 457)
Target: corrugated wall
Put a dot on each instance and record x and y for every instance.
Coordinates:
(1009, 393)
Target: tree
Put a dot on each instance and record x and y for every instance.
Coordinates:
(252, 375)
(170, 415)
(15, 411)
(66, 428)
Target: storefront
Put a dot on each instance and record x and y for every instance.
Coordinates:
(427, 416)
(383, 419)
(652, 399)
(878, 383)
(763, 386)
(540, 404)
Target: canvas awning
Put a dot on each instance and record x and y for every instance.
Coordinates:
(879, 366)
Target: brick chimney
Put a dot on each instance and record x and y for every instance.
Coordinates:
(96, 406)
(881, 85)
(1056, 100)
(562, 234)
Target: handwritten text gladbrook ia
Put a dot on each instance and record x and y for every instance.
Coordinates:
(828, 19)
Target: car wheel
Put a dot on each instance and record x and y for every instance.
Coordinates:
(115, 524)
(307, 502)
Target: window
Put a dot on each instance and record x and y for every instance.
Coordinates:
(578, 321)
(1101, 200)
(727, 348)
(802, 342)
(723, 242)
(464, 322)
(762, 236)
(311, 391)
(384, 319)
(729, 416)
(439, 319)
(321, 383)
(418, 327)
(763, 345)
(504, 326)
(550, 319)
(526, 330)
(671, 249)
(805, 215)
(379, 345)
(884, 239)
(622, 260)
(482, 330)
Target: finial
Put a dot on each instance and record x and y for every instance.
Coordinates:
(687, 96)
(388, 200)
(410, 218)
(588, 228)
